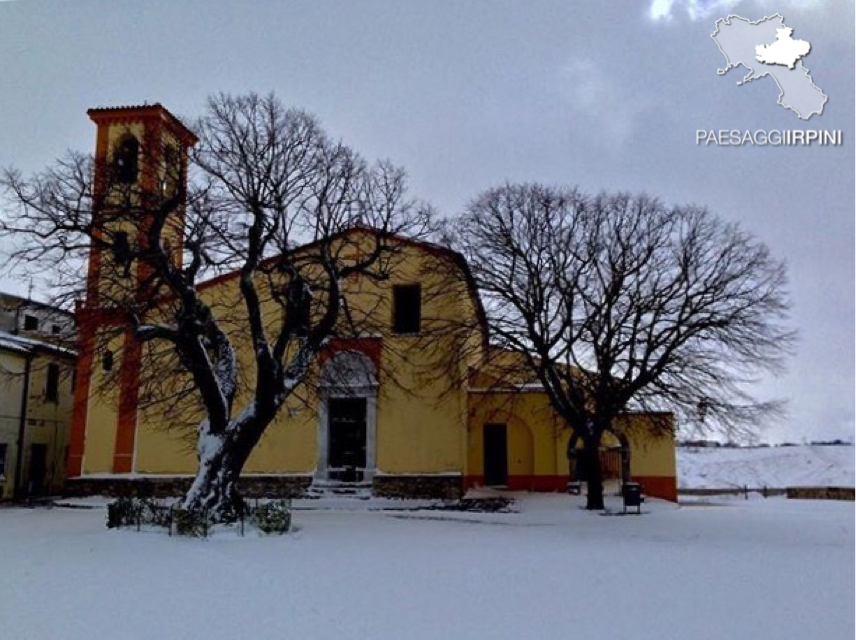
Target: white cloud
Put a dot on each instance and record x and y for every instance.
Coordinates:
(665, 10)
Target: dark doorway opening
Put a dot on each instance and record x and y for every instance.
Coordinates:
(495, 454)
(38, 469)
(347, 445)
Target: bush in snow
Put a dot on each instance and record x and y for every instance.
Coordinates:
(126, 512)
(122, 512)
(190, 522)
(273, 517)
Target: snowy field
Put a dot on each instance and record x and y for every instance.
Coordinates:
(776, 467)
(755, 569)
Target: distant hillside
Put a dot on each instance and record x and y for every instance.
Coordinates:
(771, 467)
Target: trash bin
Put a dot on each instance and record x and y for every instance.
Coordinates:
(632, 492)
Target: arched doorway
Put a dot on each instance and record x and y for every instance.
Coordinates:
(347, 419)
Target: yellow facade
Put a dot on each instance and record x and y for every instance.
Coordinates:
(102, 414)
(425, 424)
(537, 443)
(420, 421)
(46, 419)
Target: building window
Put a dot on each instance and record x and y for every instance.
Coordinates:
(171, 171)
(125, 160)
(55, 329)
(52, 386)
(122, 250)
(299, 305)
(406, 308)
(31, 323)
(3, 448)
(107, 360)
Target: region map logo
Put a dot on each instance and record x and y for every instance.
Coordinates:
(767, 48)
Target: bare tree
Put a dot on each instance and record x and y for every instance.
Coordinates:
(270, 198)
(616, 303)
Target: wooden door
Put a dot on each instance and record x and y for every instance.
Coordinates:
(347, 439)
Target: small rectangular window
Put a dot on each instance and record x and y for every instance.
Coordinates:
(122, 250)
(52, 386)
(305, 316)
(3, 448)
(55, 329)
(406, 308)
(31, 323)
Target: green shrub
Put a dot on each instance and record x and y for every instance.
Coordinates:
(155, 514)
(190, 522)
(122, 512)
(126, 512)
(273, 517)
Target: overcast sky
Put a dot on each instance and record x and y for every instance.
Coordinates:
(602, 95)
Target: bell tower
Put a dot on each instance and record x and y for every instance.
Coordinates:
(140, 163)
(140, 171)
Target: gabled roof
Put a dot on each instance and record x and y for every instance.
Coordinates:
(433, 248)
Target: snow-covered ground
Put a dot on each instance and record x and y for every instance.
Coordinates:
(778, 467)
(755, 568)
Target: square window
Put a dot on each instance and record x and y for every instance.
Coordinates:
(31, 323)
(406, 308)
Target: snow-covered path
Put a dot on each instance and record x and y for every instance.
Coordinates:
(745, 569)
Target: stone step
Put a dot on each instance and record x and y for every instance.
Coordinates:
(356, 490)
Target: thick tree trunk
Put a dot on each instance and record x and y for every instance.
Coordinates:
(215, 488)
(221, 461)
(223, 452)
(594, 480)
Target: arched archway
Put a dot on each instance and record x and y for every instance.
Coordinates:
(347, 418)
(613, 460)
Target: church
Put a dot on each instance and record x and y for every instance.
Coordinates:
(400, 408)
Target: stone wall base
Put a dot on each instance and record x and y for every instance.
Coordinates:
(427, 486)
(263, 486)
(267, 486)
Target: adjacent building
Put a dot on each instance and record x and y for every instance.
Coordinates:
(36, 381)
